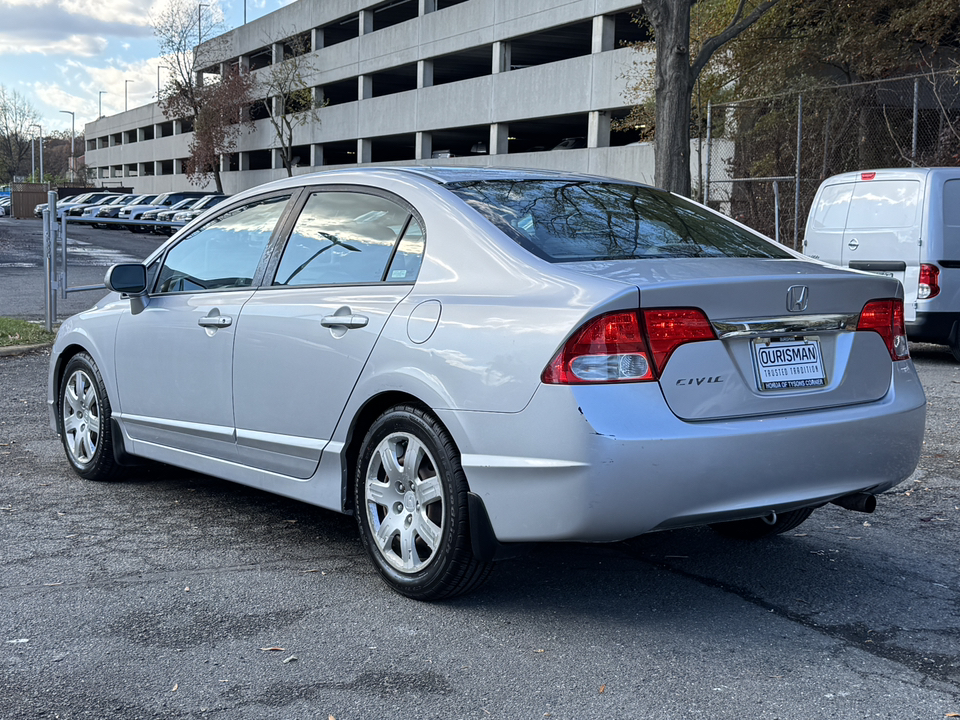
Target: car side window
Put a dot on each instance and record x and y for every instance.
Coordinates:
(406, 261)
(342, 238)
(225, 253)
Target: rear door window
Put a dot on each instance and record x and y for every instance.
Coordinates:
(350, 238)
(884, 204)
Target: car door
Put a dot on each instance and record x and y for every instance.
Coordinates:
(174, 359)
(303, 338)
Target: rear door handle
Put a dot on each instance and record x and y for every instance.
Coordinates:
(215, 321)
(345, 321)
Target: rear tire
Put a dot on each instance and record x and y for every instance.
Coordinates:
(758, 528)
(411, 505)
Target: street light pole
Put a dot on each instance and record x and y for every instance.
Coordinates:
(102, 93)
(199, 16)
(41, 149)
(125, 83)
(73, 135)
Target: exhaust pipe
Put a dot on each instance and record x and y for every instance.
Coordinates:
(860, 502)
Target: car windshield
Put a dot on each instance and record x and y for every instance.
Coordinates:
(585, 220)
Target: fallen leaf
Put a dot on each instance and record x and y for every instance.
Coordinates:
(187, 589)
(952, 715)
(175, 687)
(272, 649)
(292, 658)
(603, 689)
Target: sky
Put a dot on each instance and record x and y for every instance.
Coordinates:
(59, 54)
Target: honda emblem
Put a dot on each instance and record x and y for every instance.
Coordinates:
(797, 298)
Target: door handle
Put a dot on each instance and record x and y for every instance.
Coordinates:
(345, 321)
(215, 321)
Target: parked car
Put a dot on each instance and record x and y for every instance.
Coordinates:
(471, 359)
(77, 209)
(198, 208)
(113, 211)
(154, 215)
(571, 143)
(67, 203)
(903, 223)
(163, 201)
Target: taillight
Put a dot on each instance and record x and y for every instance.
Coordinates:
(886, 318)
(669, 328)
(608, 349)
(617, 347)
(929, 282)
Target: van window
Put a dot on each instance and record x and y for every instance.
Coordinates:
(832, 206)
(884, 204)
(951, 204)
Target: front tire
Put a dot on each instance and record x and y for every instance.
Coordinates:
(84, 415)
(758, 528)
(411, 506)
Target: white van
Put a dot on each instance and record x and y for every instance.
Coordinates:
(903, 223)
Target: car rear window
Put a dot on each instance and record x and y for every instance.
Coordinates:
(577, 220)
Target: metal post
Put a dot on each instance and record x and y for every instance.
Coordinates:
(916, 112)
(776, 210)
(33, 161)
(50, 295)
(41, 153)
(62, 275)
(73, 134)
(706, 182)
(796, 197)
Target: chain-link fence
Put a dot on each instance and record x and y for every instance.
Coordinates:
(766, 157)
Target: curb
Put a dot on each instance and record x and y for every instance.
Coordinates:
(23, 349)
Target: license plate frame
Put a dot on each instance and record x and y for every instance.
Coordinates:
(788, 363)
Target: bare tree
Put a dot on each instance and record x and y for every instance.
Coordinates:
(675, 76)
(286, 83)
(216, 101)
(16, 117)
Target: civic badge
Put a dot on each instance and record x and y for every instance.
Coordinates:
(797, 298)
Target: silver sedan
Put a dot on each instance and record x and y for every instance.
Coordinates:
(472, 359)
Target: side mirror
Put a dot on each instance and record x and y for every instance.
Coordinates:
(130, 280)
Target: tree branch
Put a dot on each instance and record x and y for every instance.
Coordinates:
(737, 25)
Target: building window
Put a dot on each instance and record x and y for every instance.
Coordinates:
(394, 13)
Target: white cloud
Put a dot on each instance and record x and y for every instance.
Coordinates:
(79, 45)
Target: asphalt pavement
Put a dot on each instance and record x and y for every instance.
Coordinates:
(175, 595)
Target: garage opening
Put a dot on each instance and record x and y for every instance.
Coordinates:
(260, 58)
(627, 31)
(341, 30)
(394, 13)
(343, 152)
(336, 93)
(460, 142)
(259, 160)
(393, 147)
(566, 132)
(394, 80)
(561, 43)
(464, 65)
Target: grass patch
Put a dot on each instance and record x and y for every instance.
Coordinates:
(20, 332)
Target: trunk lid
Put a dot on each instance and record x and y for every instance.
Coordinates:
(787, 338)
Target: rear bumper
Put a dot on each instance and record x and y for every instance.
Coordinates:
(608, 463)
(932, 327)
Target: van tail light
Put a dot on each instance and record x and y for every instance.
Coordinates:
(621, 347)
(929, 282)
(886, 317)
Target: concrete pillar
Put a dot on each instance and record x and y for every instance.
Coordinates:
(499, 134)
(244, 63)
(603, 34)
(598, 129)
(244, 161)
(316, 39)
(424, 146)
(424, 73)
(366, 22)
(316, 159)
(427, 6)
(364, 87)
(501, 56)
(277, 50)
(364, 150)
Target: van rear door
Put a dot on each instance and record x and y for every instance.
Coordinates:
(882, 234)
